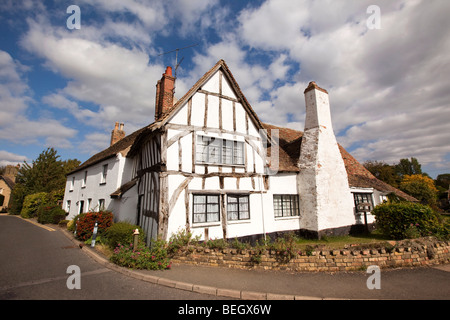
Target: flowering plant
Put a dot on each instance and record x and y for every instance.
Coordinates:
(86, 221)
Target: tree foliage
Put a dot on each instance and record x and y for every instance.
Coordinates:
(408, 167)
(409, 220)
(420, 187)
(383, 171)
(45, 174)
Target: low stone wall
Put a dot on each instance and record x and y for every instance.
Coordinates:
(385, 255)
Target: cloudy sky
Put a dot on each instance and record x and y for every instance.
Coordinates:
(388, 78)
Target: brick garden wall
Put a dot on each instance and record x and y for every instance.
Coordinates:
(392, 254)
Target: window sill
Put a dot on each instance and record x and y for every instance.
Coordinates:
(219, 164)
(230, 222)
(206, 224)
(287, 218)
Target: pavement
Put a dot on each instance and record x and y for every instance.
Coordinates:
(406, 283)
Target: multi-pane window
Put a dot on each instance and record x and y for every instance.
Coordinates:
(238, 207)
(285, 205)
(206, 208)
(363, 198)
(220, 151)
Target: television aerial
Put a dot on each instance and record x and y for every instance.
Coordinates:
(177, 64)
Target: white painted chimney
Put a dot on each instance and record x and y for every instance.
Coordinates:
(326, 203)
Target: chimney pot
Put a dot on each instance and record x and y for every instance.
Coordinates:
(117, 134)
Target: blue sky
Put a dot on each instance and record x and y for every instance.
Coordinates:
(389, 87)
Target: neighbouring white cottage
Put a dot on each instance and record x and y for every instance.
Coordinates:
(209, 165)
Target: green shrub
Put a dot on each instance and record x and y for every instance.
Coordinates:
(50, 214)
(178, 240)
(285, 248)
(86, 223)
(31, 204)
(122, 232)
(407, 219)
(143, 257)
(216, 244)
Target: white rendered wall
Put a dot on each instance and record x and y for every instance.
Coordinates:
(94, 189)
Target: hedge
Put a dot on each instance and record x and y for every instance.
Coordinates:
(122, 233)
(408, 220)
(50, 214)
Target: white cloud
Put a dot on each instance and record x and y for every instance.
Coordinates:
(15, 99)
(388, 88)
(120, 81)
(9, 158)
(389, 91)
(94, 142)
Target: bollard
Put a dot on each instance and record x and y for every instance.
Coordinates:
(94, 234)
(135, 238)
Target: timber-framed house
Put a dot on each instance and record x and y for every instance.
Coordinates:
(207, 164)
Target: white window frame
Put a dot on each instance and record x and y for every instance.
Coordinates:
(213, 150)
(104, 174)
(101, 204)
(83, 182)
(72, 184)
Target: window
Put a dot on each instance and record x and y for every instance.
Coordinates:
(89, 203)
(206, 208)
(101, 204)
(83, 182)
(72, 183)
(104, 173)
(220, 151)
(68, 206)
(285, 205)
(238, 207)
(81, 209)
(363, 198)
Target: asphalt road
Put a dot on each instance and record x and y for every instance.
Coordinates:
(34, 263)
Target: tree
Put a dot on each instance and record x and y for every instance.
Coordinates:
(45, 174)
(383, 171)
(408, 167)
(420, 187)
(443, 180)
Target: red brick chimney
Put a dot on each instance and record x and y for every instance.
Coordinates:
(164, 94)
(117, 134)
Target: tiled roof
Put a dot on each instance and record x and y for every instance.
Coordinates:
(9, 182)
(122, 146)
(358, 176)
